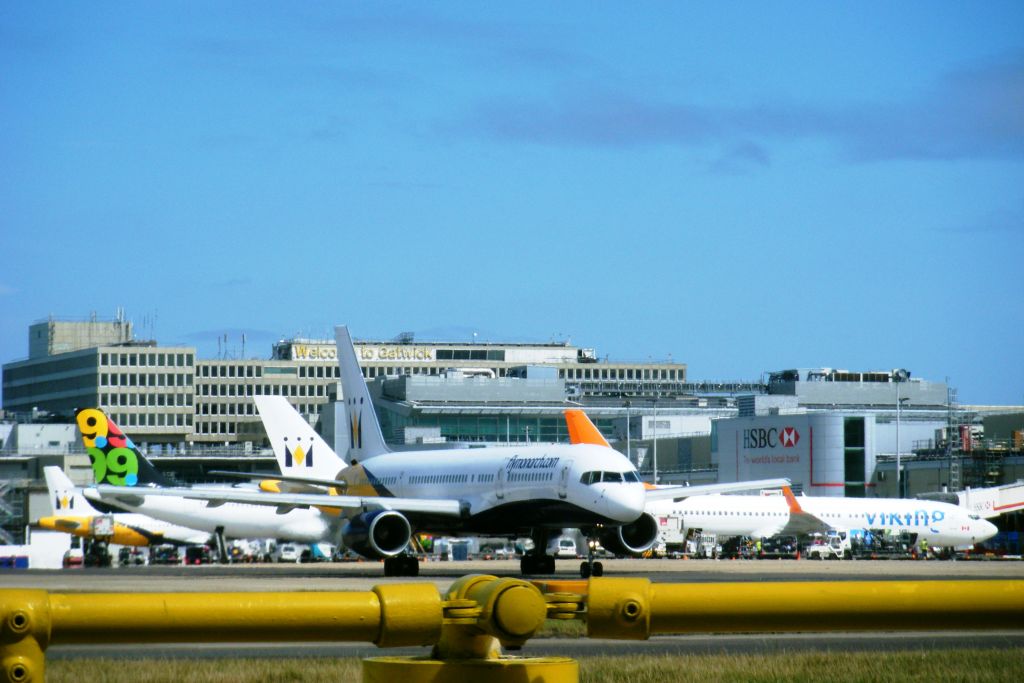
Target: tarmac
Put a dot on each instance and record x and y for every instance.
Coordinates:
(361, 576)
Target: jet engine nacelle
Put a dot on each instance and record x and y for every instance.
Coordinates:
(631, 539)
(377, 534)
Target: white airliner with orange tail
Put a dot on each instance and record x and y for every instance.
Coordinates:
(513, 491)
(761, 516)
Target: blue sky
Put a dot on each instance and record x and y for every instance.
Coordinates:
(741, 188)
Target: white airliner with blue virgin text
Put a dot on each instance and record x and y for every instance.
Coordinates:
(761, 516)
(513, 491)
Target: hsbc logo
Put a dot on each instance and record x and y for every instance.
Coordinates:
(786, 437)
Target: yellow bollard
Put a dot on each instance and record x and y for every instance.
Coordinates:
(483, 613)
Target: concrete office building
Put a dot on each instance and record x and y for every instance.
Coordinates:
(167, 398)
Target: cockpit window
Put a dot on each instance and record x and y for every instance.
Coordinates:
(589, 478)
(974, 516)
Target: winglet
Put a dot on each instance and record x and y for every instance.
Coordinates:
(582, 430)
(794, 506)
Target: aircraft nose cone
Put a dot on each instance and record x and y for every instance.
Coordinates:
(626, 503)
(988, 530)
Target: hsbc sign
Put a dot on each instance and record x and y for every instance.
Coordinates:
(774, 437)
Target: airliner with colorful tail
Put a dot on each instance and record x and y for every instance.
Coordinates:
(126, 480)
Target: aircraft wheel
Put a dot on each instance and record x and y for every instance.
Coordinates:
(549, 564)
(412, 566)
(585, 570)
(598, 569)
(526, 565)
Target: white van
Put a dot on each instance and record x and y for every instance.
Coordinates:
(289, 552)
(563, 546)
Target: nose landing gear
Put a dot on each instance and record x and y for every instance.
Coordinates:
(590, 567)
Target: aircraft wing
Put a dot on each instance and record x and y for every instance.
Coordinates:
(681, 492)
(266, 476)
(435, 506)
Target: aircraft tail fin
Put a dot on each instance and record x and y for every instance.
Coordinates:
(115, 458)
(794, 505)
(365, 436)
(299, 450)
(65, 499)
(582, 430)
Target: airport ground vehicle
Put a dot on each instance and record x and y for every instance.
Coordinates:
(289, 552)
(97, 553)
(780, 548)
(164, 554)
(739, 548)
(322, 552)
(74, 558)
(129, 556)
(198, 554)
(564, 547)
(834, 545)
(881, 544)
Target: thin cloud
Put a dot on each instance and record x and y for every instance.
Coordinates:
(605, 120)
(995, 222)
(741, 158)
(976, 113)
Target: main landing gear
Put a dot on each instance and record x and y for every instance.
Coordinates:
(222, 546)
(401, 565)
(537, 563)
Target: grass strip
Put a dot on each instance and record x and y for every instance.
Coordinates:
(967, 665)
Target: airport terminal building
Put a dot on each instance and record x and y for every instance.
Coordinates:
(167, 397)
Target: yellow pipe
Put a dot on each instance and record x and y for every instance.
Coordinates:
(637, 608)
(213, 617)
